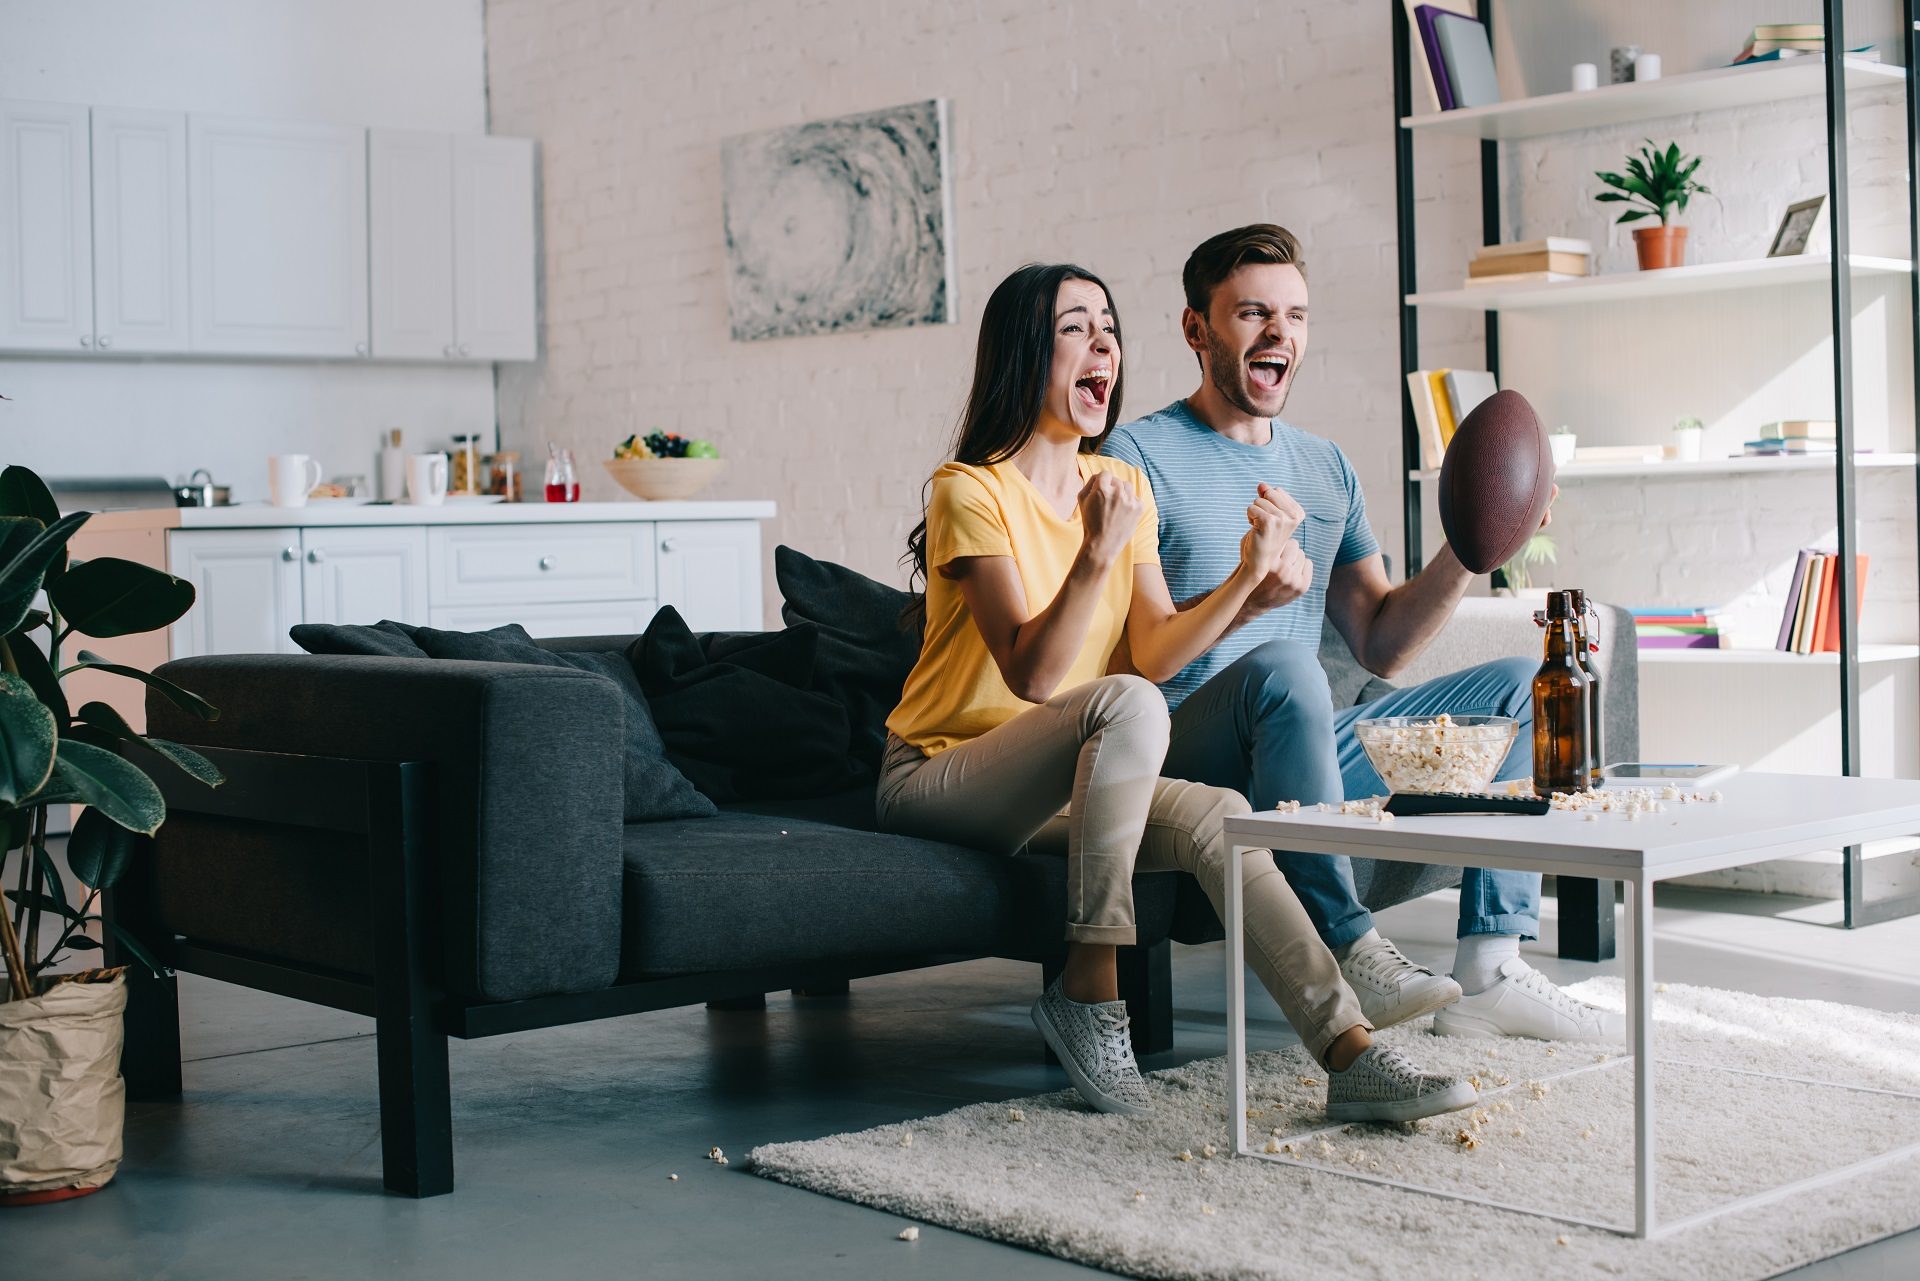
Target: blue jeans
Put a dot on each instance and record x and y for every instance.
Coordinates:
(1266, 727)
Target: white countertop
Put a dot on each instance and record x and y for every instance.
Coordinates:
(337, 513)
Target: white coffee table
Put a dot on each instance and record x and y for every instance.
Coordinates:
(1761, 816)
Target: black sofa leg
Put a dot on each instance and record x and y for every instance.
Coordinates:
(416, 1107)
(1146, 985)
(1586, 919)
(150, 1056)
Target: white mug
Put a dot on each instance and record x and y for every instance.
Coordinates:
(426, 479)
(1585, 76)
(290, 478)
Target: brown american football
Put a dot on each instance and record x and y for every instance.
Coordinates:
(1495, 481)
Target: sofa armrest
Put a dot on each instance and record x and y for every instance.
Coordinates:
(524, 848)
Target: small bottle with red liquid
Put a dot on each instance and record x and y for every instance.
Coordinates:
(562, 485)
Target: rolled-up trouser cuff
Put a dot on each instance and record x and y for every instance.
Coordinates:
(1119, 935)
(1527, 927)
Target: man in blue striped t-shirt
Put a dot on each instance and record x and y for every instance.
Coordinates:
(1255, 712)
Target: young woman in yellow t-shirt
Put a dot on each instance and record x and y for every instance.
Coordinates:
(1038, 555)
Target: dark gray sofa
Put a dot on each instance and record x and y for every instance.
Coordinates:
(440, 845)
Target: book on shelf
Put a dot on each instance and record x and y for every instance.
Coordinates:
(1544, 245)
(1466, 388)
(1789, 31)
(1792, 448)
(1442, 407)
(1709, 640)
(1810, 621)
(1427, 419)
(1800, 429)
(1436, 66)
(1424, 67)
(1565, 264)
(1523, 278)
(1466, 55)
(1864, 53)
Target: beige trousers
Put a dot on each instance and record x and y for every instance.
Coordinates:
(1097, 749)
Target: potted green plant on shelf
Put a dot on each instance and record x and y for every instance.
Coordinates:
(1687, 433)
(1537, 550)
(62, 1104)
(1658, 184)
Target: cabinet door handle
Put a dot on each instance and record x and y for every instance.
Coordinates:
(449, 350)
(315, 556)
(359, 349)
(465, 350)
(546, 562)
(668, 544)
(106, 340)
(290, 554)
(86, 340)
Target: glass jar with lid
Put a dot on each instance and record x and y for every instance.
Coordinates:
(463, 472)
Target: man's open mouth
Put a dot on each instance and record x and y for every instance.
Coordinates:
(1092, 386)
(1267, 370)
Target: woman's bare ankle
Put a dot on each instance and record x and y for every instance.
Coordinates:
(1092, 975)
(1347, 1047)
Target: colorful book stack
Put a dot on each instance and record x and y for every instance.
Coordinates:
(1554, 258)
(1811, 621)
(1441, 399)
(1676, 627)
(1795, 436)
(1771, 41)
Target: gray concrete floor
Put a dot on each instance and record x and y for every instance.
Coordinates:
(268, 1167)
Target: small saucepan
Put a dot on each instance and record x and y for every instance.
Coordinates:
(200, 491)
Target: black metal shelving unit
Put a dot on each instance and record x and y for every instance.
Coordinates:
(1858, 910)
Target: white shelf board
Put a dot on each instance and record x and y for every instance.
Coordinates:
(1822, 463)
(1622, 286)
(1721, 87)
(1776, 658)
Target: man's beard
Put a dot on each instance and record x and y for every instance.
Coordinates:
(1221, 359)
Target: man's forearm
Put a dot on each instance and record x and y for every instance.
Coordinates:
(1412, 614)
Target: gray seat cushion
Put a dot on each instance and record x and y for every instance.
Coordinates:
(745, 890)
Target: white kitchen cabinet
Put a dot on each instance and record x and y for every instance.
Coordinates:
(279, 237)
(410, 240)
(46, 240)
(363, 575)
(709, 570)
(516, 565)
(140, 287)
(493, 249)
(248, 590)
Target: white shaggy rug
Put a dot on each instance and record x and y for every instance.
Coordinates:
(1048, 1174)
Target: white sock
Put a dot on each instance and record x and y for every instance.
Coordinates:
(1345, 950)
(1478, 957)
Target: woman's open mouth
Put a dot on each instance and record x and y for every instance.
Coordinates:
(1092, 386)
(1267, 370)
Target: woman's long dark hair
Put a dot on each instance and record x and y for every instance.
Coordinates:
(1011, 366)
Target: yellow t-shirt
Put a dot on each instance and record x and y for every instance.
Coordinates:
(955, 691)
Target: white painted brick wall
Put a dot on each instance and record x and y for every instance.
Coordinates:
(1118, 135)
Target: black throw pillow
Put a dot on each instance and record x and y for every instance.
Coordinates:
(746, 726)
(384, 639)
(865, 649)
(654, 788)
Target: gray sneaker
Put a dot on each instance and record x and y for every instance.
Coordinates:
(1382, 1085)
(1092, 1045)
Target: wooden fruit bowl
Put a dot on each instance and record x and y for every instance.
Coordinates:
(665, 479)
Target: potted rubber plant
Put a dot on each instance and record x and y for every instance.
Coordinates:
(1657, 184)
(62, 1103)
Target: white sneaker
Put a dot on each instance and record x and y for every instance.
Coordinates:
(1091, 1043)
(1391, 988)
(1382, 1085)
(1524, 1002)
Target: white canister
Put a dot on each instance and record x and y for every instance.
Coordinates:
(1585, 76)
(1646, 67)
(393, 468)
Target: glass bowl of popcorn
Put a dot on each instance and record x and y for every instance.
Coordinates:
(1437, 753)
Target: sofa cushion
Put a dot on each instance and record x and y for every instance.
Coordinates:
(384, 639)
(747, 890)
(654, 788)
(865, 650)
(739, 716)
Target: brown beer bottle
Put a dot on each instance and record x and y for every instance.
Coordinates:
(1586, 645)
(1562, 708)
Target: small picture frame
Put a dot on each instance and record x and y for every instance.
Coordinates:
(1797, 227)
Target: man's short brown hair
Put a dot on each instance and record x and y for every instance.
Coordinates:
(1218, 257)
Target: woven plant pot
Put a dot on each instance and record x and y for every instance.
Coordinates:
(62, 1102)
(663, 479)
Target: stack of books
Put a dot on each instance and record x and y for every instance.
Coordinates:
(1459, 54)
(1772, 41)
(1554, 258)
(1676, 627)
(1441, 399)
(1811, 622)
(1795, 436)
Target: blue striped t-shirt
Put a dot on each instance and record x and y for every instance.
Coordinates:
(1202, 483)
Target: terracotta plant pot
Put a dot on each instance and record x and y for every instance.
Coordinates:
(62, 1102)
(1660, 247)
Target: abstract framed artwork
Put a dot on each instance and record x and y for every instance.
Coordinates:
(840, 224)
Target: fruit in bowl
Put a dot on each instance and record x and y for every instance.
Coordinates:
(662, 466)
(1437, 753)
